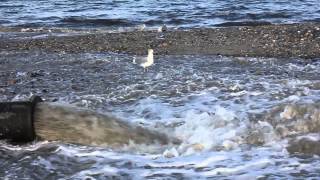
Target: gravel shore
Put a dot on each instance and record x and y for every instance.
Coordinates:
(294, 40)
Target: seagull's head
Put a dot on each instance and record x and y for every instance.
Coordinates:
(150, 51)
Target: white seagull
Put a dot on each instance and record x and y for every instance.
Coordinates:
(141, 27)
(144, 62)
(162, 28)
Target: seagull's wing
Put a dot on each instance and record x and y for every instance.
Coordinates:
(140, 60)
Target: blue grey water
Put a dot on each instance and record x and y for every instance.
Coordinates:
(178, 13)
(235, 116)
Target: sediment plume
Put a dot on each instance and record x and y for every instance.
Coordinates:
(295, 119)
(304, 145)
(58, 122)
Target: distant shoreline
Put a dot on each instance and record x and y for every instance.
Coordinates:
(291, 40)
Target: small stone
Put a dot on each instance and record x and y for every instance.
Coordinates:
(35, 74)
(75, 87)
(12, 82)
(164, 45)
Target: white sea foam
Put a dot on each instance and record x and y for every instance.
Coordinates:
(202, 131)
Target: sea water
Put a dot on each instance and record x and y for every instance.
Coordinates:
(135, 13)
(235, 116)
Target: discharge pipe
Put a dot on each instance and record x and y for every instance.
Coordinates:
(25, 121)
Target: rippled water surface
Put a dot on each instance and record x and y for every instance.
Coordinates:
(107, 13)
(234, 116)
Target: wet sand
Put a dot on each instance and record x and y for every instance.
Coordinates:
(294, 40)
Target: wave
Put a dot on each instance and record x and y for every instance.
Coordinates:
(154, 22)
(100, 22)
(12, 6)
(270, 15)
(317, 20)
(243, 23)
(2, 21)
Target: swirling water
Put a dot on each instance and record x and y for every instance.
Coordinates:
(128, 13)
(234, 116)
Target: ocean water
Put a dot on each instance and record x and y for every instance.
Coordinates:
(235, 116)
(153, 13)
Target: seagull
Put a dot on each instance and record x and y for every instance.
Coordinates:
(144, 62)
(162, 28)
(141, 27)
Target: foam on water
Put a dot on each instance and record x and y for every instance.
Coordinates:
(254, 163)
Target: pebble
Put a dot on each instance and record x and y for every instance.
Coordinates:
(193, 41)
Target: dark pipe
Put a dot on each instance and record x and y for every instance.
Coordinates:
(16, 120)
(22, 122)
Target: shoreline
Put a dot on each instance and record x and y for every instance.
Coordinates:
(280, 41)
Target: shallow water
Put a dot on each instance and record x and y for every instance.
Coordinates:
(131, 13)
(234, 116)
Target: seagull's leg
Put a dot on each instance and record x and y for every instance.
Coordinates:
(134, 60)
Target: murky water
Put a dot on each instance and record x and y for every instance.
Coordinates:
(234, 116)
(130, 13)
